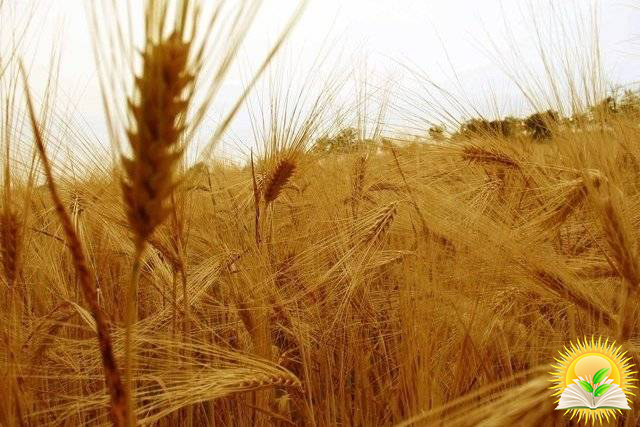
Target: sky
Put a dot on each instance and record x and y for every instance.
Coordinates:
(463, 46)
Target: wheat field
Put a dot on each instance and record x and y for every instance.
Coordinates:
(376, 283)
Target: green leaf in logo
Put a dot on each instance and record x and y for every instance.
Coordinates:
(599, 376)
(586, 386)
(601, 390)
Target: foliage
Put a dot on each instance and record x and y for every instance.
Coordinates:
(541, 125)
(503, 128)
(436, 133)
(344, 141)
(629, 104)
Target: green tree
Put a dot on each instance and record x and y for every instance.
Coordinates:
(505, 128)
(541, 125)
(604, 109)
(436, 133)
(629, 103)
(343, 141)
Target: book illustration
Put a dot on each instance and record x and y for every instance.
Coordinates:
(592, 379)
(593, 393)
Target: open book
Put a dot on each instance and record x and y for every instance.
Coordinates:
(607, 395)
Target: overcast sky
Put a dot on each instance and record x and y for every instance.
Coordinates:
(448, 40)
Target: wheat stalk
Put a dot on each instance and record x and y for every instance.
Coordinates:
(256, 201)
(119, 407)
(154, 138)
(358, 183)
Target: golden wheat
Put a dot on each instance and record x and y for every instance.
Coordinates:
(328, 280)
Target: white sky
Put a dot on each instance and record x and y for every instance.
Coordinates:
(435, 37)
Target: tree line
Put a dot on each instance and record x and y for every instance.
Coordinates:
(538, 126)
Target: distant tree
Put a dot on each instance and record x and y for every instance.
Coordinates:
(515, 125)
(629, 103)
(578, 119)
(346, 137)
(436, 133)
(604, 109)
(345, 140)
(505, 128)
(540, 125)
(474, 127)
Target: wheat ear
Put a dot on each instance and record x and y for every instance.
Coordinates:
(119, 407)
(380, 223)
(10, 238)
(154, 137)
(278, 178)
(9, 226)
(482, 155)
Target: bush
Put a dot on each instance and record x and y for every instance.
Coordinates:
(345, 140)
(540, 125)
(505, 128)
(436, 133)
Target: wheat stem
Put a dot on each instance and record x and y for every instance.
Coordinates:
(118, 395)
(130, 321)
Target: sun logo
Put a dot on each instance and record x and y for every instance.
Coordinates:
(593, 380)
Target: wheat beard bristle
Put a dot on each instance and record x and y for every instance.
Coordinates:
(278, 179)
(149, 174)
